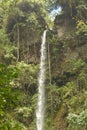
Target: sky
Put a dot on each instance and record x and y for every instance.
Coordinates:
(55, 12)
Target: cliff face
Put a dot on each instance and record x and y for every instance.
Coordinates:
(68, 45)
(68, 70)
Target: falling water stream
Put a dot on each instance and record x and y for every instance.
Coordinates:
(41, 90)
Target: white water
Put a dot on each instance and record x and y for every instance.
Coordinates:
(41, 88)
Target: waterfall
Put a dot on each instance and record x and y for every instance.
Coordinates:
(41, 90)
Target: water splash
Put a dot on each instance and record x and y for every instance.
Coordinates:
(41, 90)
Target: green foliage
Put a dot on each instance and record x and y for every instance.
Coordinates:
(53, 99)
(7, 50)
(3, 37)
(82, 30)
(9, 123)
(78, 121)
(7, 74)
(8, 97)
(27, 74)
(24, 111)
(74, 65)
(22, 21)
(9, 53)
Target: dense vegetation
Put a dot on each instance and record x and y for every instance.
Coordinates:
(22, 23)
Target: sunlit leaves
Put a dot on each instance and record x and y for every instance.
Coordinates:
(81, 28)
(25, 111)
(78, 121)
(27, 74)
(7, 74)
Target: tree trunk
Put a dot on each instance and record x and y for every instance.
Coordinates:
(18, 43)
(49, 63)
